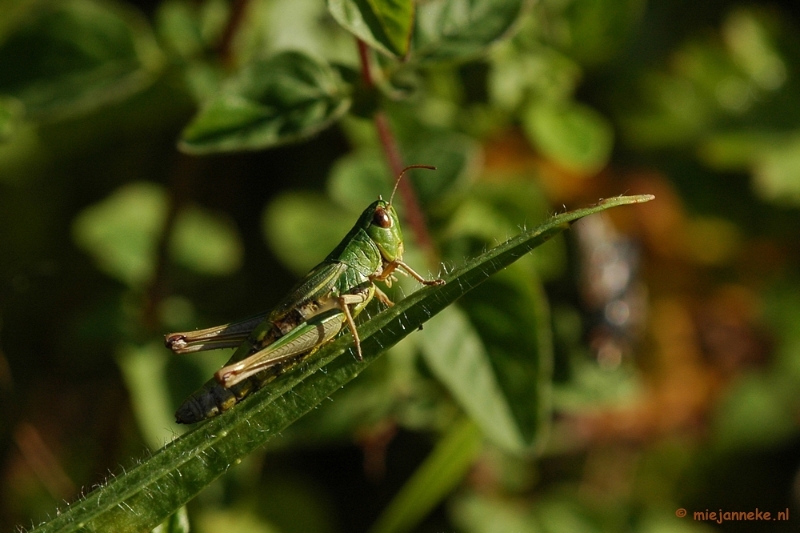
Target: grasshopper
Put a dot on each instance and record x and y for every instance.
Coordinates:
(319, 306)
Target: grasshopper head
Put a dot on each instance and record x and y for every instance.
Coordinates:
(383, 227)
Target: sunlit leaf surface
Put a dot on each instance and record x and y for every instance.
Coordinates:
(283, 99)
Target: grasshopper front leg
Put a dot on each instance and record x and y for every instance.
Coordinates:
(389, 269)
(434, 282)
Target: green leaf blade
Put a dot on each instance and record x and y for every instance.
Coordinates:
(496, 358)
(145, 496)
(72, 57)
(286, 98)
(384, 25)
(572, 135)
(442, 470)
(121, 234)
(11, 112)
(458, 358)
(459, 30)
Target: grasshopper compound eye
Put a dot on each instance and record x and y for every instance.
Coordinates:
(381, 218)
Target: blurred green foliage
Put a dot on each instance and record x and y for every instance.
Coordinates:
(149, 150)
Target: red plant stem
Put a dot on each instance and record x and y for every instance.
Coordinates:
(366, 66)
(184, 169)
(43, 461)
(413, 213)
(225, 46)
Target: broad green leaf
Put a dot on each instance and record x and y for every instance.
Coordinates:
(457, 158)
(188, 29)
(496, 358)
(459, 30)
(491, 211)
(511, 317)
(441, 472)
(11, 112)
(286, 98)
(302, 228)
(307, 25)
(206, 242)
(357, 179)
(122, 231)
(573, 135)
(776, 171)
(178, 28)
(598, 29)
(518, 74)
(458, 358)
(757, 411)
(383, 24)
(74, 56)
(145, 495)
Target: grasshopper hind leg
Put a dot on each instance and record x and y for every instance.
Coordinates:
(212, 399)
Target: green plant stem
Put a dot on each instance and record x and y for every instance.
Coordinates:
(442, 470)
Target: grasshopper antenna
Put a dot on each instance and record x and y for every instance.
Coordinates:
(397, 182)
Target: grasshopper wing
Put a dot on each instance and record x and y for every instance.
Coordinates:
(316, 286)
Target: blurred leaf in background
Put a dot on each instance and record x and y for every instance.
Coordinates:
(121, 234)
(286, 98)
(70, 57)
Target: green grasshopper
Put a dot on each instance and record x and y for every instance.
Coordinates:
(313, 313)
